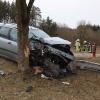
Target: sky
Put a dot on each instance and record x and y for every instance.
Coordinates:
(70, 12)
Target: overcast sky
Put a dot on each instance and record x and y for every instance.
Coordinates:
(70, 12)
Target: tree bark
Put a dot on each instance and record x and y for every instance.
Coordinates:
(22, 18)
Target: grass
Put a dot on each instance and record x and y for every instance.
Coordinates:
(85, 85)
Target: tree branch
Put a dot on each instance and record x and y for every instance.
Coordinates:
(30, 6)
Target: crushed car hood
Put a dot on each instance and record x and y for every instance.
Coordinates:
(56, 40)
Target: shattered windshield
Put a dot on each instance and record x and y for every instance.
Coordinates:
(37, 33)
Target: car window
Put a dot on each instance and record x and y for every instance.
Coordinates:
(4, 32)
(13, 34)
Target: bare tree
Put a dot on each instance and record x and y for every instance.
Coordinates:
(23, 17)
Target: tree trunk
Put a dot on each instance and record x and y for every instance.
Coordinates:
(23, 51)
(22, 36)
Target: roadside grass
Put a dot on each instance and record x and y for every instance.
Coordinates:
(85, 85)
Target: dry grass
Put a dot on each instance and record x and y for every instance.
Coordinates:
(85, 85)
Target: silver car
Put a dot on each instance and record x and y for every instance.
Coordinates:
(44, 49)
(8, 38)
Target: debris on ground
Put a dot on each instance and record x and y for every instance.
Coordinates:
(81, 86)
(44, 76)
(2, 73)
(66, 83)
(37, 70)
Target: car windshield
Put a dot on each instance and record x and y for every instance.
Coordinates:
(37, 33)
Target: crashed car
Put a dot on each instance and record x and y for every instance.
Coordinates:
(53, 53)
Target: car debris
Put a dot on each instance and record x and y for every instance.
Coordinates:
(43, 76)
(37, 70)
(2, 73)
(53, 57)
(66, 83)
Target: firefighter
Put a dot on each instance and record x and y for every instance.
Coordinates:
(77, 45)
(94, 50)
(85, 46)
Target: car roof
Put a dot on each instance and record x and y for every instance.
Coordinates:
(1, 24)
(13, 25)
(10, 25)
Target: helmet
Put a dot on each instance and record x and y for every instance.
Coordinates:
(85, 41)
(78, 40)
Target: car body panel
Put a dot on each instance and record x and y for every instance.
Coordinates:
(8, 48)
(56, 40)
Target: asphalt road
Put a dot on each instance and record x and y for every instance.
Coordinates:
(85, 55)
